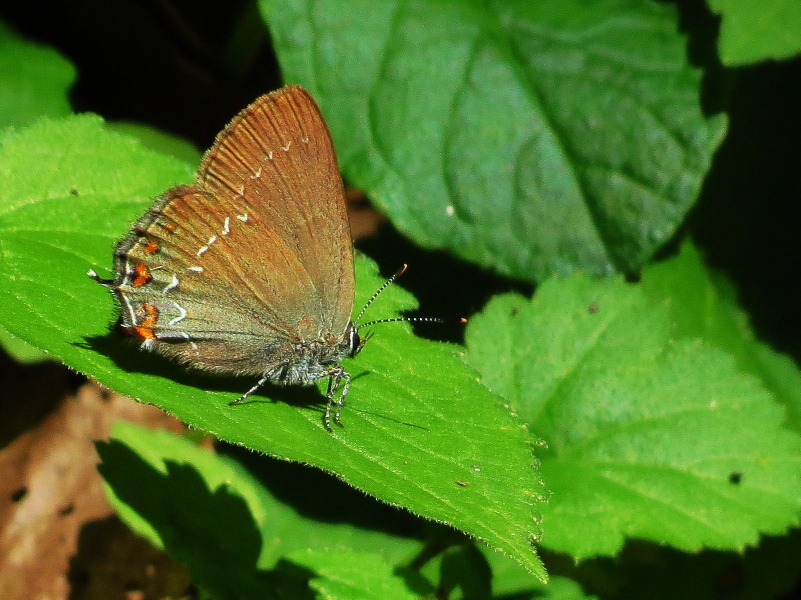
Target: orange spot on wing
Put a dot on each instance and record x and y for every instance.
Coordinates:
(148, 315)
(151, 315)
(151, 247)
(145, 333)
(142, 275)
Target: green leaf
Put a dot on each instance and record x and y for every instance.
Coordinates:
(510, 581)
(755, 31)
(160, 141)
(703, 304)
(199, 506)
(466, 568)
(188, 501)
(33, 81)
(281, 528)
(19, 350)
(415, 412)
(530, 137)
(352, 576)
(648, 436)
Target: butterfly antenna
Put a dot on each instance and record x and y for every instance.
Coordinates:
(386, 284)
(413, 320)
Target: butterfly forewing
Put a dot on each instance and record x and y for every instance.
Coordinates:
(255, 259)
(276, 161)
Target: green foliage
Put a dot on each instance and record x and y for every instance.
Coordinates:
(548, 141)
(352, 576)
(158, 140)
(645, 432)
(702, 304)
(544, 136)
(240, 540)
(34, 81)
(754, 31)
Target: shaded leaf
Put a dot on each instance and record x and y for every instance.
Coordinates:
(465, 567)
(510, 581)
(189, 502)
(34, 80)
(19, 350)
(135, 454)
(530, 137)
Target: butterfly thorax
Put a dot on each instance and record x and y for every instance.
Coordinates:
(312, 359)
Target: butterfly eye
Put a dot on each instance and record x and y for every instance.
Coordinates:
(361, 342)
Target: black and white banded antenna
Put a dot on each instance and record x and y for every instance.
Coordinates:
(385, 285)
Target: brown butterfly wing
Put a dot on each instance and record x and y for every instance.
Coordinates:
(276, 162)
(231, 273)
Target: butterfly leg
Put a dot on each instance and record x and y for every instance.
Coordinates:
(244, 396)
(336, 376)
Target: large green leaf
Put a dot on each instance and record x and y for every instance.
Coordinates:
(648, 436)
(421, 431)
(754, 31)
(530, 137)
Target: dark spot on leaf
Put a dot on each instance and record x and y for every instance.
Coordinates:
(735, 477)
(593, 308)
